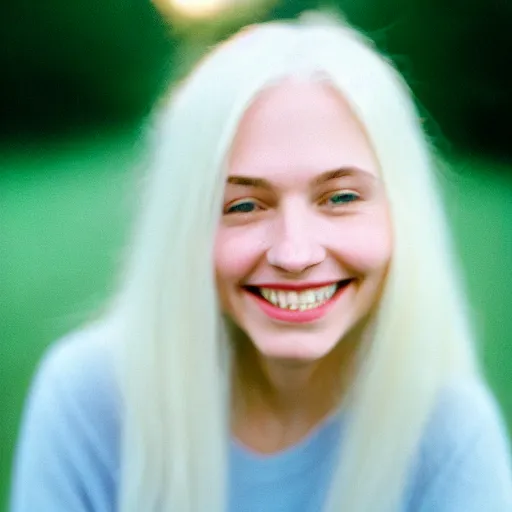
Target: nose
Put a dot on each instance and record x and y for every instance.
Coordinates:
(296, 246)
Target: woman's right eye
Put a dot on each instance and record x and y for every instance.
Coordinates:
(245, 206)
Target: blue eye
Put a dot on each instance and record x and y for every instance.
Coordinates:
(242, 207)
(343, 198)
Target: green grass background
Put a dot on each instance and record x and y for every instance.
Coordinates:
(65, 207)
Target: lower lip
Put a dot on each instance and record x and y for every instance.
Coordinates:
(297, 316)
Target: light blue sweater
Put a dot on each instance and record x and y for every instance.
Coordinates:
(68, 454)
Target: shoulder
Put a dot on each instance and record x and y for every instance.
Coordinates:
(464, 457)
(82, 359)
(465, 411)
(76, 380)
(68, 452)
(78, 371)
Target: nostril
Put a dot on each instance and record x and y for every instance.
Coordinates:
(295, 257)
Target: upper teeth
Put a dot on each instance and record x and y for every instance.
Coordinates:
(305, 299)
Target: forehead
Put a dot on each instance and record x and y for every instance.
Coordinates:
(296, 130)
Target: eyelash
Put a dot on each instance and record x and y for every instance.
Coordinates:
(353, 195)
(344, 193)
(240, 203)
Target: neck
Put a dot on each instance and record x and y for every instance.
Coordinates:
(291, 391)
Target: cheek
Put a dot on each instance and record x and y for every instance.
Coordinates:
(237, 252)
(367, 245)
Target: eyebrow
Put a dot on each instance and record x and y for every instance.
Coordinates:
(246, 181)
(342, 172)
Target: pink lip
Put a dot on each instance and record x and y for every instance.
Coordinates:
(297, 316)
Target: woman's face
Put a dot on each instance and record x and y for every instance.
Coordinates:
(305, 237)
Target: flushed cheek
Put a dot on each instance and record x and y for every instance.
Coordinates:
(235, 256)
(366, 248)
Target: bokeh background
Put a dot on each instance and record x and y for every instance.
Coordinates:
(78, 82)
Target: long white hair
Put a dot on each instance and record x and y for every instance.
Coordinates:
(173, 353)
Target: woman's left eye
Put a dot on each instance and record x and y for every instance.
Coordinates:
(340, 198)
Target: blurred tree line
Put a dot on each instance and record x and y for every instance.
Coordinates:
(69, 65)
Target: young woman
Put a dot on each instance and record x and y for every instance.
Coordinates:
(290, 334)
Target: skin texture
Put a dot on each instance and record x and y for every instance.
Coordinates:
(288, 219)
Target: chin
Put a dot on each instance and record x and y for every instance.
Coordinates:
(294, 348)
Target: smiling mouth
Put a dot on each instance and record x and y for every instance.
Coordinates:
(295, 300)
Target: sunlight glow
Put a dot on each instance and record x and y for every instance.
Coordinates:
(200, 8)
